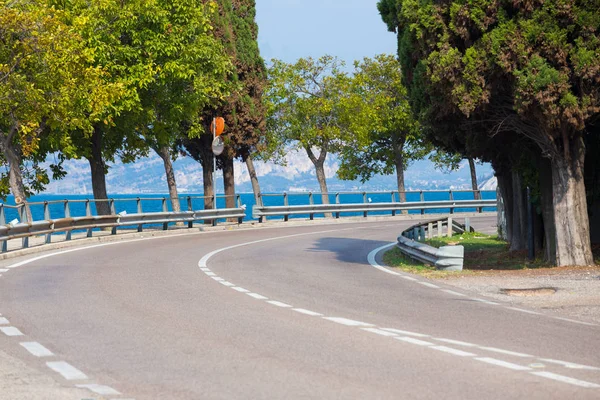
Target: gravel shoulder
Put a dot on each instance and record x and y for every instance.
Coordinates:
(577, 289)
(20, 382)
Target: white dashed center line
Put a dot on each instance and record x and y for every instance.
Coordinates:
(11, 331)
(308, 312)
(279, 304)
(347, 322)
(36, 349)
(68, 371)
(100, 389)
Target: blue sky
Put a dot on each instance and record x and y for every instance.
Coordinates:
(349, 29)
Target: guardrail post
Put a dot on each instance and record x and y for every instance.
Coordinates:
(450, 227)
(337, 201)
(365, 202)
(111, 203)
(47, 218)
(422, 199)
(286, 204)
(440, 228)
(467, 225)
(3, 222)
(23, 216)
(165, 209)
(422, 234)
(430, 230)
(393, 201)
(451, 196)
(69, 233)
(260, 204)
(415, 233)
(88, 213)
(140, 211)
(311, 202)
(189, 207)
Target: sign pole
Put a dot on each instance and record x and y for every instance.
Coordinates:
(214, 167)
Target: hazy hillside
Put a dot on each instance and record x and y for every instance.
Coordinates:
(147, 176)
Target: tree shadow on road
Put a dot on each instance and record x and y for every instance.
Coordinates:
(348, 250)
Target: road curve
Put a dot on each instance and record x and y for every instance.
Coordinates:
(281, 313)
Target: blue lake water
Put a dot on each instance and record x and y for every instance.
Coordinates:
(155, 203)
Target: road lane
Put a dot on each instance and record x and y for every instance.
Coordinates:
(144, 319)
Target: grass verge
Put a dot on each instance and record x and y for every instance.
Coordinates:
(482, 253)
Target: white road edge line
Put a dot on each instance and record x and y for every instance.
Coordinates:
(36, 349)
(566, 379)
(507, 352)
(407, 333)
(453, 292)
(379, 332)
(569, 364)
(414, 341)
(503, 364)
(4, 321)
(429, 285)
(457, 342)
(374, 264)
(575, 321)
(524, 311)
(68, 371)
(240, 289)
(453, 351)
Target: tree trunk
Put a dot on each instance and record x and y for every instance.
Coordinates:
(592, 182)
(573, 245)
(254, 180)
(399, 163)
(207, 180)
(519, 215)
(319, 164)
(98, 173)
(15, 176)
(505, 186)
(545, 173)
(474, 185)
(165, 154)
(229, 185)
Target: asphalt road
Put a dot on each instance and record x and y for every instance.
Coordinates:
(285, 313)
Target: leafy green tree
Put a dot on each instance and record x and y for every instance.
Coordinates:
(387, 137)
(307, 104)
(47, 88)
(243, 109)
(155, 51)
(191, 70)
(525, 68)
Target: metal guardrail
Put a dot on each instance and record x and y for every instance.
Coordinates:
(259, 212)
(447, 258)
(25, 230)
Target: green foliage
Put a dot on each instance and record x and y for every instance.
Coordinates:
(163, 56)
(385, 132)
(308, 105)
(47, 87)
(545, 55)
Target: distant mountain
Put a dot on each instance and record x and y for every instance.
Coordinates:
(147, 176)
